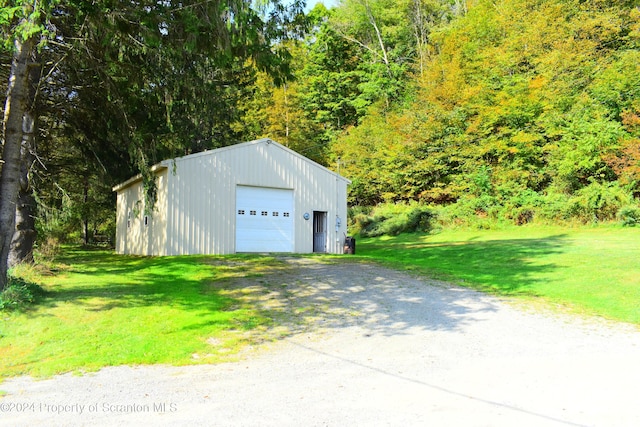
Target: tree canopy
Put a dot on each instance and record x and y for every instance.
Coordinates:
(123, 85)
(539, 97)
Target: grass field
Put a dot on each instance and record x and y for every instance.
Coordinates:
(590, 270)
(103, 309)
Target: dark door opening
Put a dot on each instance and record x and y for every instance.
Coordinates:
(319, 232)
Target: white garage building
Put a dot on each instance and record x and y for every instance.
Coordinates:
(257, 196)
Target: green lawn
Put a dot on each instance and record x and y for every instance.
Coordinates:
(104, 309)
(591, 270)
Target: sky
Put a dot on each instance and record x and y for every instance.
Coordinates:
(328, 3)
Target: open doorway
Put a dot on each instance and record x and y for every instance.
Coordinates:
(319, 231)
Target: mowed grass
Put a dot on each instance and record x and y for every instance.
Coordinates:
(103, 309)
(590, 270)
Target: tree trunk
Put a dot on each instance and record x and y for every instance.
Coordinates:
(15, 107)
(420, 31)
(25, 233)
(383, 48)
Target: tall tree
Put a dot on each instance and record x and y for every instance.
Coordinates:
(134, 82)
(21, 24)
(380, 29)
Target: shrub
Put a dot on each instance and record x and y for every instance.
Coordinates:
(555, 208)
(511, 205)
(599, 202)
(420, 219)
(475, 212)
(593, 203)
(19, 294)
(47, 250)
(359, 218)
(391, 219)
(629, 215)
(522, 206)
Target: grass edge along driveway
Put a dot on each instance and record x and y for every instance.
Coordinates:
(589, 270)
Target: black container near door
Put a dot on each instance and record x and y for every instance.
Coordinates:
(350, 245)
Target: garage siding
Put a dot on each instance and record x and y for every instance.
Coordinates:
(138, 231)
(198, 198)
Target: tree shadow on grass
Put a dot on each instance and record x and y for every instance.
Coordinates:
(291, 295)
(506, 267)
(101, 280)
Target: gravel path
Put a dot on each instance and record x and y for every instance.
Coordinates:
(378, 347)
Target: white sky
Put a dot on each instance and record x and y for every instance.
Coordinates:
(328, 3)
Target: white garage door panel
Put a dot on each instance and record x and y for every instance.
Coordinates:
(264, 219)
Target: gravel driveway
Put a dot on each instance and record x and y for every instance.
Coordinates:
(378, 347)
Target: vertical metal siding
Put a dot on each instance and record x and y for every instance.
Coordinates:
(132, 235)
(129, 231)
(121, 222)
(159, 217)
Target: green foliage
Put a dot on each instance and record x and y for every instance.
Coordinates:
(21, 20)
(391, 219)
(329, 81)
(594, 203)
(525, 110)
(74, 206)
(475, 212)
(629, 215)
(599, 202)
(586, 140)
(19, 294)
(47, 249)
(358, 57)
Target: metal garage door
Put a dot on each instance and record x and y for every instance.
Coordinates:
(264, 219)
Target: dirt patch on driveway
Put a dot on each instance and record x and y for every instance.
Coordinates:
(358, 344)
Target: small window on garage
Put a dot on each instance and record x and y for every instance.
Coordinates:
(285, 214)
(274, 213)
(241, 212)
(252, 212)
(265, 213)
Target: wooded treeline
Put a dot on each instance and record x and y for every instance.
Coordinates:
(511, 109)
(518, 108)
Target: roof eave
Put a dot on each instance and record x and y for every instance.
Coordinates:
(155, 169)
